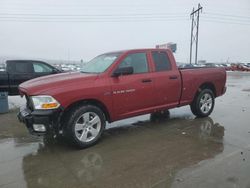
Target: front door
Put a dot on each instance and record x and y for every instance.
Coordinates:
(133, 94)
(41, 69)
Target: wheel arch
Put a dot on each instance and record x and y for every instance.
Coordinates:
(207, 85)
(93, 102)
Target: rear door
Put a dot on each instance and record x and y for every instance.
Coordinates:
(166, 79)
(133, 93)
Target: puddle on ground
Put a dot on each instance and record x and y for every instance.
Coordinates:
(141, 154)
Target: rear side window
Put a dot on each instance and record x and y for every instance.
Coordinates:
(161, 61)
(136, 60)
(22, 67)
(41, 68)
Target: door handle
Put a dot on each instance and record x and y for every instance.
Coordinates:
(174, 77)
(146, 80)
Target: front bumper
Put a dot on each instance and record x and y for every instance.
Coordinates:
(50, 119)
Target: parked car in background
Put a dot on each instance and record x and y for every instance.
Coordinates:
(19, 71)
(240, 67)
(185, 65)
(114, 86)
(227, 66)
(243, 67)
(2, 69)
(70, 67)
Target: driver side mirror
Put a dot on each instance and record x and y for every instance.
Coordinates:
(123, 71)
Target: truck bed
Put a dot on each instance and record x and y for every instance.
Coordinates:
(194, 77)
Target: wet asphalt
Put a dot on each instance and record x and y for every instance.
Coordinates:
(141, 152)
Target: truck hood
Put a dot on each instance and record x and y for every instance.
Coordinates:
(48, 85)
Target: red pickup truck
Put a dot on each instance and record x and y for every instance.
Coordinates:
(114, 86)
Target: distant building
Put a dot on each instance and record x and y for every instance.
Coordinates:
(170, 45)
(202, 62)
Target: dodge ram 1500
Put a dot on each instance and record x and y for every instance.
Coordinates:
(114, 86)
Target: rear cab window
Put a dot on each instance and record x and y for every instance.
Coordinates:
(161, 61)
(20, 67)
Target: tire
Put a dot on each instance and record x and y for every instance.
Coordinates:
(79, 129)
(203, 103)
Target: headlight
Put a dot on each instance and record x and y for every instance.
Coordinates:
(44, 102)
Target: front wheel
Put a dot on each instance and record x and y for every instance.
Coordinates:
(203, 104)
(85, 125)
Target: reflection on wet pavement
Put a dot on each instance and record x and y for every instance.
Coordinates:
(177, 151)
(144, 154)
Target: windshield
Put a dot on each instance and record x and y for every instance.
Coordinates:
(100, 63)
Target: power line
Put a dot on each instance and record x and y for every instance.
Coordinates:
(84, 4)
(226, 19)
(110, 16)
(229, 16)
(88, 15)
(224, 22)
(90, 19)
(93, 21)
(93, 18)
(128, 17)
(230, 11)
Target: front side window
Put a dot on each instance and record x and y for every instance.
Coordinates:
(136, 60)
(100, 63)
(41, 68)
(161, 61)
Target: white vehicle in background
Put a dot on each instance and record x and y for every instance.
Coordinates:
(2, 67)
(247, 64)
(70, 67)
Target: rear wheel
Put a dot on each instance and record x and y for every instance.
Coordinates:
(84, 126)
(203, 104)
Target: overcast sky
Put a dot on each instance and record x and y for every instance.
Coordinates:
(77, 29)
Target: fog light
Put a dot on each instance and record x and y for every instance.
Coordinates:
(39, 127)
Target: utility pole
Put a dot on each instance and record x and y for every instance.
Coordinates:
(195, 16)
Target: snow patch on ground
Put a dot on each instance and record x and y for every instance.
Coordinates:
(16, 101)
